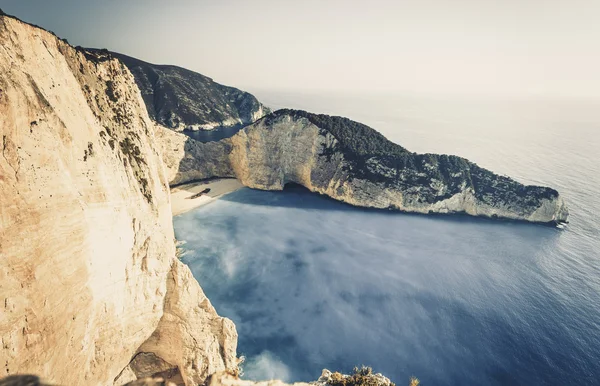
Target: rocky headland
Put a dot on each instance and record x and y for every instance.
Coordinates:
(353, 163)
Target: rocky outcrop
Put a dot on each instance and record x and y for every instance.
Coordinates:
(88, 275)
(182, 99)
(189, 338)
(353, 163)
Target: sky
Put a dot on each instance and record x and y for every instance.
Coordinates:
(433, 47)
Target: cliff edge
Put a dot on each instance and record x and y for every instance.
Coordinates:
(91, 291)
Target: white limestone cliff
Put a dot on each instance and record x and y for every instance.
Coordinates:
(88, 274)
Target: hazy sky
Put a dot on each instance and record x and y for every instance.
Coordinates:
(497, 47)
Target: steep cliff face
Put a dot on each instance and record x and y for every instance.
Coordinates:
(88, 275)
(355, 164)
(181, 99)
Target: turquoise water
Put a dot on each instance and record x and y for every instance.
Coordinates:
(312, 283)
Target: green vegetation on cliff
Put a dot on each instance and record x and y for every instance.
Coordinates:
(353, 136)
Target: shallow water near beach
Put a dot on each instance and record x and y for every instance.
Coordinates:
(312, 283)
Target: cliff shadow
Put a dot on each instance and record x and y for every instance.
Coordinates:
(200, 161)
(297, 196)
(292, 196)
(22, 380)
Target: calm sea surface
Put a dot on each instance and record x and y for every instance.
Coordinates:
(313, 284)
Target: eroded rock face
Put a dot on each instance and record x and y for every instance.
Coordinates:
(351, 162)
(187, 160)
(88, 274)
(189, 335)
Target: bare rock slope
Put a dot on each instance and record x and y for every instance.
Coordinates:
(91, 291)
(353, 163)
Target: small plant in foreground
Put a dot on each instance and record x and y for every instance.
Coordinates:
(361, 376)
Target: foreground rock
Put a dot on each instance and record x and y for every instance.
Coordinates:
(182, 99)
(363, 376)
(91, 292)
(353, 163)
(360, 377)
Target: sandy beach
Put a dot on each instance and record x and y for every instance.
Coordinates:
(181, 196)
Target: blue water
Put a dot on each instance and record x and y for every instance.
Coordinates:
(312, 283)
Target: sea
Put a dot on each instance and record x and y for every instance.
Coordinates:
(312, 283)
